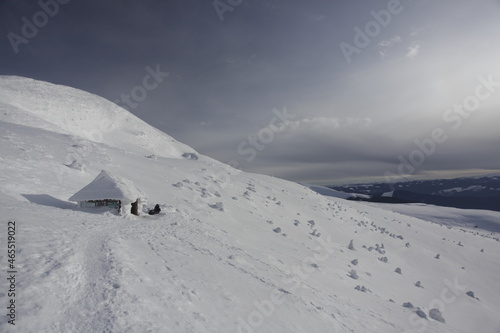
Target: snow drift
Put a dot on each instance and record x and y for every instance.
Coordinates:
(71, 111)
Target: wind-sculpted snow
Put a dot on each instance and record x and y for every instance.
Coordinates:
(71, 111)
(229, 251)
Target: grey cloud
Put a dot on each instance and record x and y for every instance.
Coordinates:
(352, 120)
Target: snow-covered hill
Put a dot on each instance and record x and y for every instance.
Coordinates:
(230, 251)
(77, 113)
(328, 191)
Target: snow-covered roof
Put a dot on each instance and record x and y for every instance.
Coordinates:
(108, 186)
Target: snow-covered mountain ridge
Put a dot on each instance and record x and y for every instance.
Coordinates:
(74, 112)
(230, 252)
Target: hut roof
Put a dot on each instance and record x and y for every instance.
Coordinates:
(108, 186)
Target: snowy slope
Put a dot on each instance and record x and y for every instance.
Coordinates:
(230, 251)
(74, 112)
(334, 193)
(327, 191)
(465, 218)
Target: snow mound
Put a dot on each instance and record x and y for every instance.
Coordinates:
(75, 112)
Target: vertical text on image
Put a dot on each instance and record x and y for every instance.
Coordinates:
(11, 272)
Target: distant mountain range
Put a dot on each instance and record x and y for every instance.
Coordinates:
(467, 193)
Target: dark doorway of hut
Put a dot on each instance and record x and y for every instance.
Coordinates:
(135, 208)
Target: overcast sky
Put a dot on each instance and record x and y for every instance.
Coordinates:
(318, 91)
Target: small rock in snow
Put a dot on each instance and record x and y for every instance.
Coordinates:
(218, 205)
(353, 275)
(421, 313)
(361, 288)
(190, 156)
(436, 315)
